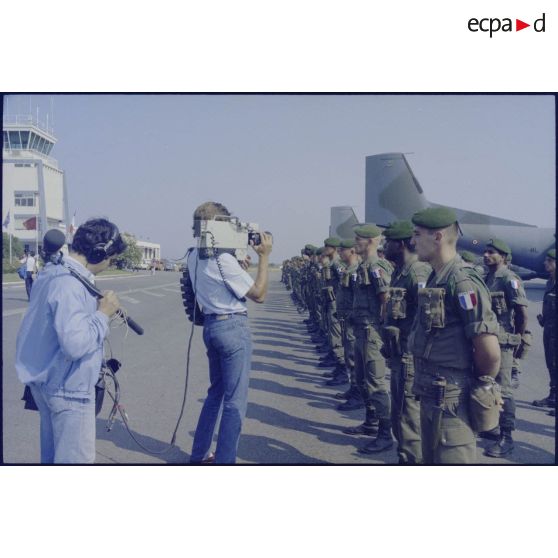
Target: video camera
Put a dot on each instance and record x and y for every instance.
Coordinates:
(226, 234)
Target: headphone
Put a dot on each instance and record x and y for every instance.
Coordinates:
(104, 250)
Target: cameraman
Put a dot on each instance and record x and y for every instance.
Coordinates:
(60, 344)
(221, 287)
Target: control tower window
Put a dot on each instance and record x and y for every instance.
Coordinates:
(24, 138)
(15, 140)
(41, 144)
(6, 142)
(35, 141)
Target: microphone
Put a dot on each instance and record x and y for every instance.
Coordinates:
(53, 240)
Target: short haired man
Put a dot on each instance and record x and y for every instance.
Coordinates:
(59, 347)
(408, 276)
(509, 303)
(370, 296)
(221, 287)
(453, 339)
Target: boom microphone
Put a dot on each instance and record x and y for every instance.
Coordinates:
(52, 242)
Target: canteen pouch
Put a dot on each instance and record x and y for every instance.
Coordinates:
(524, 345)
(431, 308)
(485, 404)
(499, 305)
(397, 305)
(392, 346)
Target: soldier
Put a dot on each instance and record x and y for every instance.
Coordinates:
(509, 303)
(331, 267)
(370, 297)
(454, 342)
(344, 299)
(548, 321)
(409, 275)
(471, 258)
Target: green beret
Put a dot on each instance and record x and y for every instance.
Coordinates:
(399, 230)
(467, 256)
(499, 245)
(552, 253)
(368, 230)
(332, 241)
(309, 247)
(435, 218)
(349, 243)
(319, 251)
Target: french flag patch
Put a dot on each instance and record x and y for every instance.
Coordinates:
(377, 273)
(467, 300)
(421, 285)
(514, 284)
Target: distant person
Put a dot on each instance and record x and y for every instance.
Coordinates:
(30, 270)
(509, 303)
(59, 348)
(548, 321)
(222, 286)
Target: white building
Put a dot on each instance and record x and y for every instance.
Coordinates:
(33, 186)
(150, 251)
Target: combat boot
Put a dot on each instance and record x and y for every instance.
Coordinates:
(351, 404)
(514, 378)
(549, 401)
(368, 428)
(340, 376)
(345, 394)
(383, 442)
(503, 447)
(493, 434)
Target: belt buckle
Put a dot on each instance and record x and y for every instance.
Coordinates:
(222, 317)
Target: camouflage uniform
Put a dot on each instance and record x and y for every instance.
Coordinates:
(453, 308)
(401, 310)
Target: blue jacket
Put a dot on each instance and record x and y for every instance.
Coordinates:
(60, 341)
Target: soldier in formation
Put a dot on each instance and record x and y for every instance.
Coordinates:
(448, 330)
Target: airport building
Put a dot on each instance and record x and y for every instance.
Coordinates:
(34, 195)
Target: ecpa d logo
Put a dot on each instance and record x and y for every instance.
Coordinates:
(493, 25)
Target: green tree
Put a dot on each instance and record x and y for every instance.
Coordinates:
(131, 257)
(17, 247)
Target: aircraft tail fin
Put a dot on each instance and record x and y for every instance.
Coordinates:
(392, 191)
(342, 221)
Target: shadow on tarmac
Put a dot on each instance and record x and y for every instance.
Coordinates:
(120, 437)
(271, 451)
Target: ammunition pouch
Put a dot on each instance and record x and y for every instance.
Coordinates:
(508, 339)
(432, 313)
(326, 273)
(499, 305)
(191, 305)
(345, 279)
(363, 276)
(397, 304)
(390, 338)
(485, 404)
(524, 345)
(328, 294)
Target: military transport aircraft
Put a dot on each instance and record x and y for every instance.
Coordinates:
(393, 193)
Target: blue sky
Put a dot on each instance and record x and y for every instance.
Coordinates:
(146, 161)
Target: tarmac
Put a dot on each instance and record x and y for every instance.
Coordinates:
(291, 416)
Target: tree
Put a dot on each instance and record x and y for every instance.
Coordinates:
(132, 256)
(17, 247)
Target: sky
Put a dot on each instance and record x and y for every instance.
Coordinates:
(282, 161)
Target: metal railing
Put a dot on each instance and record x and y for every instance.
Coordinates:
(26, 120)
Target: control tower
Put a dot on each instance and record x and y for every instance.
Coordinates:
(33, 186)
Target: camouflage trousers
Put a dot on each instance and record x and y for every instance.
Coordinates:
(348, 338)
(333, 331)
(370, 372)
(446, 433)
(507, 416)
(405, 409)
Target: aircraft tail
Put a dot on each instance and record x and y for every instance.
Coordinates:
(342, 221)
(393, 193)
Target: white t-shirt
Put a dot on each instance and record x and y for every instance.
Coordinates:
(211, 293)
(29, 262)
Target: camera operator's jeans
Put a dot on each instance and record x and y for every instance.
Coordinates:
(67, 427)
(229, 349)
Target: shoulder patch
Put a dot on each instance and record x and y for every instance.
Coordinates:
(377, 272)
(514, 284)
(467, 299)
(421, 284)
